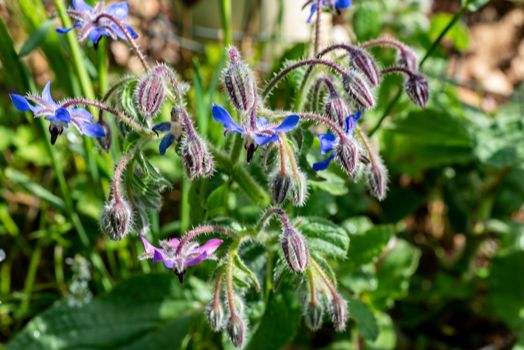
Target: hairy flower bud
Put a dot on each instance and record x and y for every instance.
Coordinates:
(417, 88)
(377, 176)
(339, 312)
(347, 154)
(198, 161)
(236, 329)
(106, 140)
(407, 58)
(314, 315)
(337, 110)
(364, 62)
(299, 191)
(358, 90)
(150, 93)
(280, 185)
(116, 219)
(240, 83)
(295, 249)
(215, 315)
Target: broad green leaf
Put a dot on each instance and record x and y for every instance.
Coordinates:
(394, 273)
(427, 139)
(146, 311)
(387, 339)
(36, 38)
(278, 324)
(363, 316)
(367, 246)
(11, 64)
(324, 237)
(507, 289)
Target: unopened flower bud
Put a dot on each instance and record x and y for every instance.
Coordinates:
(236, 329)
(407, 58)
(240, 82)
(417, 88)
(339, 312)
(365, 63)
(299, 191)
(150, 93)
(337, 110)
(215, 315)
(198, 161)
(347, 154)
(359, 90)
(295, 249)
(106, 140)
(314, 315)
(377, 176)
(116, 219)
(280, 185)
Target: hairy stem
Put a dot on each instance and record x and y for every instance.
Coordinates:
(308, 62)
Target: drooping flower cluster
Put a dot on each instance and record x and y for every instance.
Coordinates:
(341, 94)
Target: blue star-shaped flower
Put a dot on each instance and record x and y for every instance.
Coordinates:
(328, 141)
(60, 117)
(170, 129)
(262, 134)
(337, 4)
(91, 26)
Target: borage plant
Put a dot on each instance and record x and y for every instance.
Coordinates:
(341, 90)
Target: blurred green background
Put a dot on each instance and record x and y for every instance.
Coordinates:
(438, 265)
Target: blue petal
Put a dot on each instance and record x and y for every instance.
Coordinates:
(261, 122)
(327, 142)
(90, 129)
(312, 12)
(81, 114)
(46, 92)
(166, 126)
(96, 34)
(63, 30)
(343, 4)
(166, 142)
(132, 32)
(351, 122)
(323, 165)
(81, 5)
(262, 140)
(287, 124)
(119, 10)
(62, 115)
(222, 116)
(20, 103)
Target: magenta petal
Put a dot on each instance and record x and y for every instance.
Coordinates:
(150, 249)
(210, 246)
(197, 260)
(173, 242)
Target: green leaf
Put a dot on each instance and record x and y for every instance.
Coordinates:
(146, 311)
(394, 273)
(279, 323)
(366, 247)
(324, 237)
(363, 316)
(427, 139)
(368, 20)
(507, 288)
(36, 38)
(458, 34)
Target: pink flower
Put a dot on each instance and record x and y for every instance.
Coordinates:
(176, 259)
